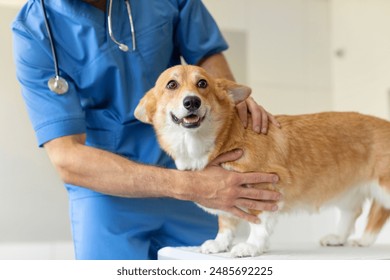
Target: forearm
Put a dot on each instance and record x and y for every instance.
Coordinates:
(112, 174)
(217, 66)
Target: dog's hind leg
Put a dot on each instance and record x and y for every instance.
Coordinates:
(379, 212)
(348, 216)
(376, 219)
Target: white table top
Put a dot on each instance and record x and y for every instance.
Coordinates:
(297, 251)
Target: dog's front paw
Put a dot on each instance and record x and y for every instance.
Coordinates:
(242, 250)
(214, 246)
(332, 240)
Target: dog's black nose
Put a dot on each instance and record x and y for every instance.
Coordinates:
(192, 103)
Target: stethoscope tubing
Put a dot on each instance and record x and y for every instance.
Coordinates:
(131, 23)
(58, 84)
(121, 46)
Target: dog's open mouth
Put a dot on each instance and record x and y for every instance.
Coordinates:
(191, 121)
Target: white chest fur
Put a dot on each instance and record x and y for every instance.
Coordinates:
(190, 149)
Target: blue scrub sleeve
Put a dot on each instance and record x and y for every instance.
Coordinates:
(52, 115)
(197, 35)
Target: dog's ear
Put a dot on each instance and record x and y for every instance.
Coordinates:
(236, 91)
(146, 108)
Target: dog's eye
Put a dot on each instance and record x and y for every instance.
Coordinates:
(202, 84)
(172, 84)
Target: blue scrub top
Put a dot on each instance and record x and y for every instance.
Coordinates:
(105, 83)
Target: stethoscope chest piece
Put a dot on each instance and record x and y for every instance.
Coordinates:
(58, 85)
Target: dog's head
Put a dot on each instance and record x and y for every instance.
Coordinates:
(186, 97)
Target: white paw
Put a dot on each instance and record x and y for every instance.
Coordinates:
(214, 246)
(242, 250)
(357, 243)
(332, 240)
(367, 240)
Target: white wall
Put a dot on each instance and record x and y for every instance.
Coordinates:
(12, 3)
(286, 51)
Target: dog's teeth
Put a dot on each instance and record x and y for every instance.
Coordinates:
(192, 119)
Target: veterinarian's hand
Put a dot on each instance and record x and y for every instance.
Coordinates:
(260, 117)
(229, 191)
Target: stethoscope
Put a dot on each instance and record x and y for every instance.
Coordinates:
(58, 84)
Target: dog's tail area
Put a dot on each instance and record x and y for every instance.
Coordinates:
(377, 217)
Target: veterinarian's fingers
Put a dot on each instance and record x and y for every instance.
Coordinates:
(260, 117)
(256, 114)
(244, 215)
(228, 156)
(273, 120)
(264, 122)
(257, 205)
(259, 194)
(242, 111)
(257, 178)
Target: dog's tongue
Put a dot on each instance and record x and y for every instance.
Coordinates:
(191, 119)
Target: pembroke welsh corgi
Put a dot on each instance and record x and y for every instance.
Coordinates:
(322, 159)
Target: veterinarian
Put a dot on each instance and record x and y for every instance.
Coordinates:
(83, 66)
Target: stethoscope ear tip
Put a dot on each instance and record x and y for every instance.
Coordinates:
(58, 85)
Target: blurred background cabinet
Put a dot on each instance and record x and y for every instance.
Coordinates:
(360, 32)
